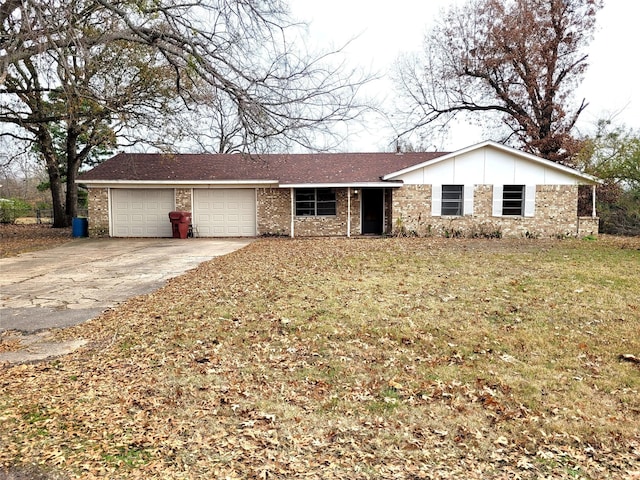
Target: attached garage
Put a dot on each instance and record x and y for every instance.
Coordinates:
(224, 212)
(492, 187)
(141, 212)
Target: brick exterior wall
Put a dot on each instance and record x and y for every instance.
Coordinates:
(274, 215)
(556, 212)
(98, 212)
(411, 210)
(273, 210)
(408, 212)
(588, 226)
(388, 210)
(183, 200)
(334, 225)
(555, 215)
(356, 226)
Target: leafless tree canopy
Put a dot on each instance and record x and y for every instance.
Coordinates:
(517, 59)
(243, 50)
(77, 76)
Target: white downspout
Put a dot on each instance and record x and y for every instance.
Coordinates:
(293, 211)
(593, 202)
(348, 212)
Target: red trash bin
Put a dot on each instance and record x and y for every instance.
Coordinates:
(180, 222)
(183, 226)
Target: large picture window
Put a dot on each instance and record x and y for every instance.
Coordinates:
(452, 200)
(312, 202)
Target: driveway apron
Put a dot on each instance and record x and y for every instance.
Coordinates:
(73, 283)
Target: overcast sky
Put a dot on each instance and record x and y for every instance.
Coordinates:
(384, 29)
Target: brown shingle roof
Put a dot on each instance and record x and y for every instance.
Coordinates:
(336, 168)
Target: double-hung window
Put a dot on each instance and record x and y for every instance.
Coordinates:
(315, 202)
(513, 200)
(452, 200)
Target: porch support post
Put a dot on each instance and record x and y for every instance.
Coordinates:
(348, 212)
(593, 202)
(293, 211)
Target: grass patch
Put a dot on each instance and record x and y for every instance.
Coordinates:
(334, 358)
(129, 457)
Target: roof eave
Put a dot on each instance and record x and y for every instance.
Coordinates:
(395, 184)
(177, 182)
(245, 183)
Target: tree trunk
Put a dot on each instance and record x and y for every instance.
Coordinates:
(73, 165)
(72, 193)
(60, 218)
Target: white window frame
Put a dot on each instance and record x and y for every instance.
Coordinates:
(458, 202)
(466, 202)
(529, 208)
(513, 206)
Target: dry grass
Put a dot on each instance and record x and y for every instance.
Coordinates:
(336, 358)
(17, 239)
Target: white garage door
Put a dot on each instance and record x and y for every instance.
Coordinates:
(141, 212)
(225, 212)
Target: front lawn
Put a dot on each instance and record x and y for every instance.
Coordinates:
(17, 239)
(354, 359)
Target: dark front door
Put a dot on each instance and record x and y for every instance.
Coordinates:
(372, 211)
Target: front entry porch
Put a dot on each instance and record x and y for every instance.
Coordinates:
(372, 214)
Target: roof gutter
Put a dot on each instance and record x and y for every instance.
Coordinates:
(177, 182)
(220, 183)
(395, 184)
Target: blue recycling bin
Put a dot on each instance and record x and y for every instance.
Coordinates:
(79, 227)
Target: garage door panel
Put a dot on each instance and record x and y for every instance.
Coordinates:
(142, 212)
(225, 212)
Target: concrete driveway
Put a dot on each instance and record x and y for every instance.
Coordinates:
(73, 283)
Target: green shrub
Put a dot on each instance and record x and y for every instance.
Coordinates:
(12, 209)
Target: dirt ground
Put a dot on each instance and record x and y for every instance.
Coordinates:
(17, 239)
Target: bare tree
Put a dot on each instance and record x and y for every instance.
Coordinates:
(515, 60)
(71, 103)
(97, 72)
